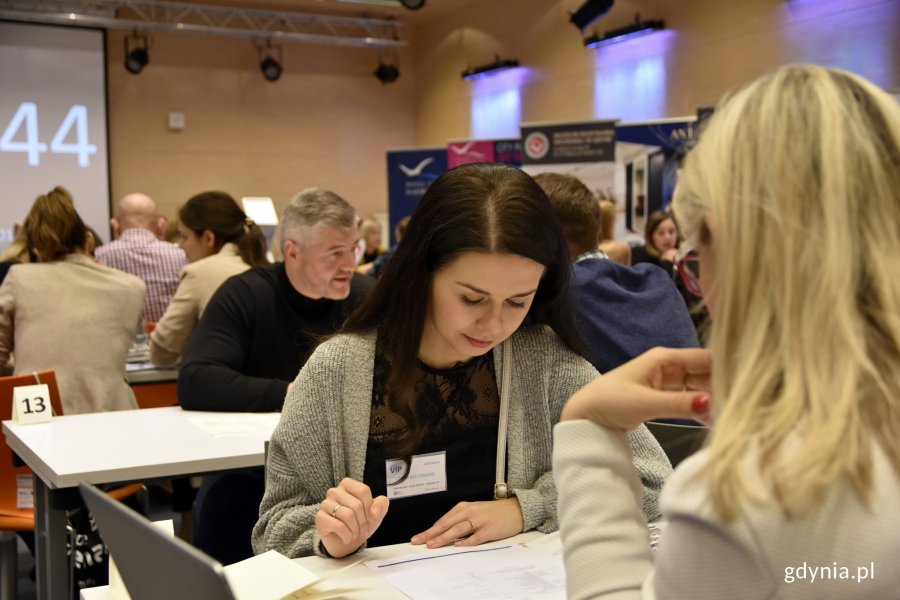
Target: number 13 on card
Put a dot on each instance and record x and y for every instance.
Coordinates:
(31, 404)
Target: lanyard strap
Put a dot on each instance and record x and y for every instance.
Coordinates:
(501, 490)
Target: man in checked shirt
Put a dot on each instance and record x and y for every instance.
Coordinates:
(138, 250)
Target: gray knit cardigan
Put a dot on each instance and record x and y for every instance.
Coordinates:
(324, 428)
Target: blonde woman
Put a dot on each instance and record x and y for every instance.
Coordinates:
(792, 199)
(68, 313)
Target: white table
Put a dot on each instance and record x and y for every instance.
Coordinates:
(114, 447)
(372, 586)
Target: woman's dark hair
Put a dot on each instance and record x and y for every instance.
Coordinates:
(219, 213)
(656, 218)
(53, 227)
(489, 208)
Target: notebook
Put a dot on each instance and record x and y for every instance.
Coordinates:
(155, 565)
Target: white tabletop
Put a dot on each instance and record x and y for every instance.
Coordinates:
(372, 586)
(131, 445)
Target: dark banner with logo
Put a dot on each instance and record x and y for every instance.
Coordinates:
(410, 172)
(556, 143)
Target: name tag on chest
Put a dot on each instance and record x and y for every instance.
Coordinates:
(427, 474)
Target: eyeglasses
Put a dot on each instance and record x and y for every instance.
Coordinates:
(688, 264)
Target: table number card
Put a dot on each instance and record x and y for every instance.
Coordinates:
(31, 404)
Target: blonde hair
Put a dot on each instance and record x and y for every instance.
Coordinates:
(799, 174)
(607, 220)
(53, 227)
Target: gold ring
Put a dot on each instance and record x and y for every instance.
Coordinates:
(471, 526)
(334, 510)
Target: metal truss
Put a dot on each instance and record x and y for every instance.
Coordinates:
(159, 15)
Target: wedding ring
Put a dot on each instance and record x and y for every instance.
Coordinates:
(471, 526)
(335, 509)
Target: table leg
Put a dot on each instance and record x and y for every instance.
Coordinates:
(51, 562)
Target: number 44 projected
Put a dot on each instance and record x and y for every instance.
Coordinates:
(27, 116)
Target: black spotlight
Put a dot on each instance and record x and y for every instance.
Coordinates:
(269, 65)
(589, 12)
(386, 72)
(412, 4)
(136, 55)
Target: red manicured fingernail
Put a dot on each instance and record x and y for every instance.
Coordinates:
(700, 404)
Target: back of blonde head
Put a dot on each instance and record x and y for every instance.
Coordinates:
(800, 174)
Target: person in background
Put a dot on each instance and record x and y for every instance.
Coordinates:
(256, 333)
(86, 338)
(137, 250)
(661, 245)
(375, 267)
(621, 311)
(413, 378)
(795, 495)
(94, 241)
(219, 241)
(17, 252)
(619, 252)
(370, 234)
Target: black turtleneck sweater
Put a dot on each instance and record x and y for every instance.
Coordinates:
(254, 336)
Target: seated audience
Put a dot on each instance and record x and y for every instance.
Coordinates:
(620, 311)
(375, 267)
(661, 245)
(254, 336)
(68, 313)
(137, 250)
(370, 234)
(796, 493)
(618, 251)
(415, 377)
(219, 241)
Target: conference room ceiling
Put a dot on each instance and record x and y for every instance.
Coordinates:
(359, 23)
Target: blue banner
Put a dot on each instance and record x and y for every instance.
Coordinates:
(410, 172)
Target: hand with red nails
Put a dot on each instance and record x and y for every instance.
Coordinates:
(349, 516)
(661, 383)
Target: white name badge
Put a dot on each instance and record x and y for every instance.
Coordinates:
(427, 474)
(31, 404)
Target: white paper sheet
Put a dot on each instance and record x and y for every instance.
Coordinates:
(500, 570)
(235, 424)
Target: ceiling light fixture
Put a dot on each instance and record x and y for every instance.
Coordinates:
(270, 66)
(387, 72)
(637, 29)
(493, 68)
(136, 55)
(412, 4)
(589, 12)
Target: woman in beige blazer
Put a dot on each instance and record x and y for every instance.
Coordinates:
(219, 241)
(69, 313)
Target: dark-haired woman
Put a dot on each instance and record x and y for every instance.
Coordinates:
(68, 313)
(661, 246)
(405, 403)
(219, 241)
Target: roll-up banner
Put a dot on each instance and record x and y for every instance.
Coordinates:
(507, 151)
(410, 172)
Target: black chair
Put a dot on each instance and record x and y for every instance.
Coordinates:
(678, 441)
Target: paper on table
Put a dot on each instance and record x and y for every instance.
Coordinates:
(235, 424)
(273, 576)
(501, 570)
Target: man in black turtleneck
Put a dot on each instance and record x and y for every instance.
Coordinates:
(256, 333)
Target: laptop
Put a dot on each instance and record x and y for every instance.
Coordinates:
(152, 564)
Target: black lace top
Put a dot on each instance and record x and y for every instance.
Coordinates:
(460, 408)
